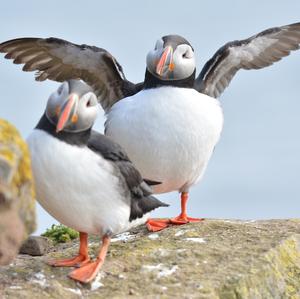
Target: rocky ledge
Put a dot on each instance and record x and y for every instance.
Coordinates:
(212, 259)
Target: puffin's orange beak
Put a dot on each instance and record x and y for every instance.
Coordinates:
(165, 63)
(65, 113)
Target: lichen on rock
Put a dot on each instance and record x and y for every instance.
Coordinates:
(17, 205)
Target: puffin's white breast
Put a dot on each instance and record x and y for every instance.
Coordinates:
(77, 187)
(169, 133)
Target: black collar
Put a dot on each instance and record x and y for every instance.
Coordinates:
(151, 81)
(79, 138)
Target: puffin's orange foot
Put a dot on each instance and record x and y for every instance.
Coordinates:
(179, 220)
(155, 225)
(88, 272)
(77, 261)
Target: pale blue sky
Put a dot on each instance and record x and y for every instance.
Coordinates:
(254, 172)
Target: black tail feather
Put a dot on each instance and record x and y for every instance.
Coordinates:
(144, 205)
(152, 183)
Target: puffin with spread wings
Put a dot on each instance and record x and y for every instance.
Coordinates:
(170, 123)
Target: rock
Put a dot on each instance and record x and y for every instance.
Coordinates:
(212, 259)
(35, 245)
(17, 209)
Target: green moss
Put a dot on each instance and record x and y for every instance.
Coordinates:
(60, 234)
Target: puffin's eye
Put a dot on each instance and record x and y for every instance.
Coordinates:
(60, 89)
(188, 54)
(89, 100)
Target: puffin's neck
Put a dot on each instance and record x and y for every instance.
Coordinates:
(78, 138)
(151, 81)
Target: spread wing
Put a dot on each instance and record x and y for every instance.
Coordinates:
(60, 60)
(258, 51)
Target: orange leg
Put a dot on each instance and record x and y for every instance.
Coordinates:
(155, 225)
(183, 217)
(81, 259)
(88, 272)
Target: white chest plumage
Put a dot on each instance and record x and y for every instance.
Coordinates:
(169, 133)
(77, 186)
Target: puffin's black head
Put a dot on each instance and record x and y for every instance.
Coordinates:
(73, 107)
(172, 58)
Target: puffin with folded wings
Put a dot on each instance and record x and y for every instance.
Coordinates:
(170, 123)
(83, 178)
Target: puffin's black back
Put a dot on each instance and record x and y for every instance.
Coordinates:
(141, 201)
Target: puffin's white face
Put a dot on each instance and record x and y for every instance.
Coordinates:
(169, 61)
(73, 107)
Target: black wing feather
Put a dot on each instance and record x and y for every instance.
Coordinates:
(59, 60)
(141, 200)
(258, 51)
